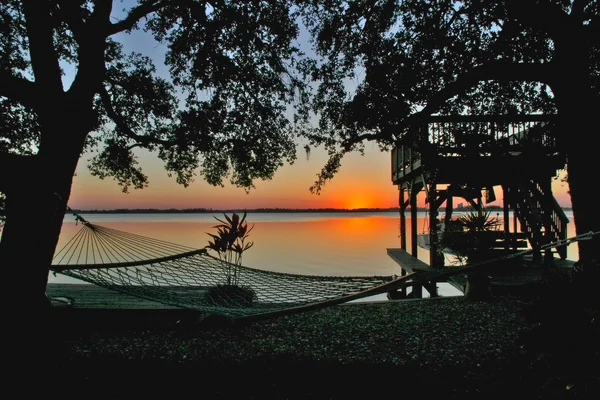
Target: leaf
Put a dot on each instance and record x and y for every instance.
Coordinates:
(221, 226)
(221, 221)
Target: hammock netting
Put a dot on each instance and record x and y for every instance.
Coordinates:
(191, 278)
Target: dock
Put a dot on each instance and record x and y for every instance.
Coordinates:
(513, 279)
(411, 264)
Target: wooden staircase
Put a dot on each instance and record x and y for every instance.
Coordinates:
(541, 217)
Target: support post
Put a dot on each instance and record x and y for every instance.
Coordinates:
(413, 221)
(434, 253)
(402, 204)
(505, 207)
(514, 200)
(417, 290)
(433, 225)
(449, 208)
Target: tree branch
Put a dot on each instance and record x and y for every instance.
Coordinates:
(44, 60)
(136, 14)
(101, 16)
(71, 14)
(495, 70)
(17, 89)
(18, 166)
(548, 18)
(492, 71)
(122, 124)
(91, 57)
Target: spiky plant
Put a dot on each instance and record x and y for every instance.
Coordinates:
(230, 242)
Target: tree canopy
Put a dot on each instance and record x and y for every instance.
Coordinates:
(236, 69)
(414, 58)
(236, 74)
(222, 111)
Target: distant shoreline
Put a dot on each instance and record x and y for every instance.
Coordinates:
(262, 210)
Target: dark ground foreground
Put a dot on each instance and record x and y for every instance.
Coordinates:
(447, 347)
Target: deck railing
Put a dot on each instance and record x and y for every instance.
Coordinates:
(459, 136)
(404, 160)
(481, 135)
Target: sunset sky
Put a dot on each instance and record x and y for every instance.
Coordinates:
(363, 181)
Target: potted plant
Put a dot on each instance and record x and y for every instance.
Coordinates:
(469, 239)
(229, 243)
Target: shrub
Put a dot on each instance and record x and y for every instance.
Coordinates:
(466, 236)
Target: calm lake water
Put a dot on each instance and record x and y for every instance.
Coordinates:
(333, 243)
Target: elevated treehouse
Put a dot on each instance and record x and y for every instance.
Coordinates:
(467, 157)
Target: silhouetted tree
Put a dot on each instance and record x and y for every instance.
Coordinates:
(414, 58)
(222, 109)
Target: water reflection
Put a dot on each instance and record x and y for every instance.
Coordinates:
(328, 244)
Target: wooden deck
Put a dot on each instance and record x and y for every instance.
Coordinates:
(502, 281)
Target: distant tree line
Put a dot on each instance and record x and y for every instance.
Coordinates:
(263, 210)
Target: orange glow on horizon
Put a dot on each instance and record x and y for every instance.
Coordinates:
(362, 182)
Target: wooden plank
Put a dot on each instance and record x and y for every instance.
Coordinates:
(408, 262)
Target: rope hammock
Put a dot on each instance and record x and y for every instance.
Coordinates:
(185, 277)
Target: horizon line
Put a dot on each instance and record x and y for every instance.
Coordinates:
(266, 209)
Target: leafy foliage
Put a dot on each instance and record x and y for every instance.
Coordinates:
(386, 63)
(221, 112)
(467, 236)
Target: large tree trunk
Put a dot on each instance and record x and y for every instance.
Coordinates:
(34, 216)
(578, 105)
(582, 168)
(35, 208)
(581, 139)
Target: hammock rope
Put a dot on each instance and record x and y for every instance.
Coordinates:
(182, 276)
(185, 277)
